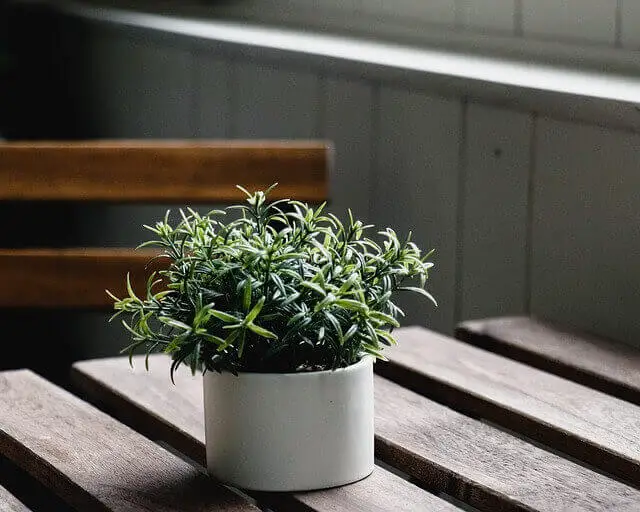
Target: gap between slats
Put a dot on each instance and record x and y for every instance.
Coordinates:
(23, 493)
(600, 364)
(458, 395)
(92, 461)
(147, 395)
(156, 425)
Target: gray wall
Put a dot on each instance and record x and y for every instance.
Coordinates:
(526, 212)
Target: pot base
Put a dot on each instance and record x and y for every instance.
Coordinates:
(287, 489)
(290, 432)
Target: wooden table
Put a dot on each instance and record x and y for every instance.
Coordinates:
(456, 427)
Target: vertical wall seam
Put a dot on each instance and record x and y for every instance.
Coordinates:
(618, 27)
(531, 189)
(375, 142)
(320, 131)
(460, 212)
(518, 18)
(195, 98)
(320, 128)
(232, 91)
(458, 16)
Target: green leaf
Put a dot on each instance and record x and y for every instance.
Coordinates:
(335, 324)
(420, 291)
(116, 299)
(277, 286)
(353, 305)
(246, 298)
(384, 318)
(289, 256)
(130, 289)
(346, 286)
(327, 301)
(313, 286)
(350, 332)
(260, 331)
(229, 340)
(211, 337)
(243, 336)
(375, 353)
(175, 323)
(387, 339)
(255, 311)
(225, 317)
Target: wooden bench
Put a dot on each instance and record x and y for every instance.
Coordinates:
(454, 425)
(608, 366)
(175, 172)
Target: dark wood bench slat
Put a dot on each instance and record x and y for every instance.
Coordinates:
(611, 367)
(174, 414)
(598, 429)
(166, 171)
(72, 278)
(449, 452)
(9, 503)
(482, 465)
(94, 462)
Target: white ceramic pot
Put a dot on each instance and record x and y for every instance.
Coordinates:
(292, 431)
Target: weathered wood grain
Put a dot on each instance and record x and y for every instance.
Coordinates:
(174, 414)
(161, 172)
(71, 278)
(9, 503)
(94, 462)
(486, 467)
(611, 367)
(447, 451)
(593, 427)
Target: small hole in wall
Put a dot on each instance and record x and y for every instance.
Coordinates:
(497, 152)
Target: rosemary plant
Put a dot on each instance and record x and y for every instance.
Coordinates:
(283, 287)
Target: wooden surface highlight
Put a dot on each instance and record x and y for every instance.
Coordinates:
(94, 462)
(445, 450)
(166, 172)
(71, 278)
(175, 415)
(611, 367)
(600, 430)
(9, 503)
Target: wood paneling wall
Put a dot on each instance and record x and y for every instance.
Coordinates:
(526, 213)
(604, 23)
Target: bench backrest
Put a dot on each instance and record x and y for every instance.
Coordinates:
(171, 172)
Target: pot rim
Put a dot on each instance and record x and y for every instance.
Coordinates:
(364, 361)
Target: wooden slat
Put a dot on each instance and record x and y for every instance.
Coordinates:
(9, 503)
(92, 461)
(598, 429)
(135, 171)
(447, 451)
(595, 362)
(484, 466)
(70, 278)
(174, 414)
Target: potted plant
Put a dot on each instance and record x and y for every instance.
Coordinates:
(284, 308)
